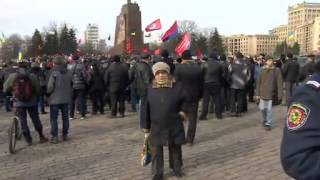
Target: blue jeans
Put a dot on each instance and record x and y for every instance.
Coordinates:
(34, 114)
(41, 102)
(266, 109)
(54, 112)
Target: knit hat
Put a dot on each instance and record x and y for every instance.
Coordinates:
(59, 61)
(160, 66)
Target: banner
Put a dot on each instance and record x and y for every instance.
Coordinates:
(172, 32)
(155, 25)
(185, 44)
(129, 46)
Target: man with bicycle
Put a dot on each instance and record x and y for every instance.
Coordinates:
(25, 88)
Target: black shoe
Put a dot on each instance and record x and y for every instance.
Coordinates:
(54, 140)
(233, 114)
(94, 113)
(268, 128)
(112, 116)
(29, 142)
(157, 177)
(44, 112)
(190, 144)
(219, 117)
(43, 139)
(178, 173)
(122, 115)
(203, 119)
(65, 138)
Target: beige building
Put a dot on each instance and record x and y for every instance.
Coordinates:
(91, 35)
(281, 32)
(316, 35)
(251, 45)
(300, 24)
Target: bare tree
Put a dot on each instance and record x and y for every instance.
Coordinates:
(188, 26)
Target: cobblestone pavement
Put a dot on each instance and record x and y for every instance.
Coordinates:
(102, 148)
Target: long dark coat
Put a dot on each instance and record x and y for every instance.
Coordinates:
(160, 114)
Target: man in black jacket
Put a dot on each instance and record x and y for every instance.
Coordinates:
(79, 83)
(213, 71)
(308, 69)
(117, 79)
(290, 73)
(96, 89)
(141, 76)
(190, 75)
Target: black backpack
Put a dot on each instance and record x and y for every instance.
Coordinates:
(23, 88)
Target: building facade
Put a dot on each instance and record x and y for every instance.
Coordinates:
(316, 35)
(91, 35)
(300, 25)
(281, 32)
(102, 45)
(251, 45)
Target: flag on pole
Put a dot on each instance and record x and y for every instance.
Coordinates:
(20, 55)
(157, 51)
(155, 25)
(129, 47)
(145, 50)
(185, 44)
(199, 54)
(290, 35)
(2, 39)
(172, 32)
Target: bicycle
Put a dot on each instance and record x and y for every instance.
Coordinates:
(14, 133)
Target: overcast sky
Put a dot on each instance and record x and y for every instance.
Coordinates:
(229, 16)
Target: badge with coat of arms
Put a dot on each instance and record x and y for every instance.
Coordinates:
(297, 116)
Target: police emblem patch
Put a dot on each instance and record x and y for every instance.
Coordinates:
(297, 116)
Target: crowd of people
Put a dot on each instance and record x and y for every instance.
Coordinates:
(163, 91)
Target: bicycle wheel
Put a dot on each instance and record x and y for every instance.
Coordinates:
(12, 135)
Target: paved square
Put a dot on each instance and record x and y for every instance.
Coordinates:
(102, 148)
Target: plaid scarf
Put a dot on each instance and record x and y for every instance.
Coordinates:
(168, 84)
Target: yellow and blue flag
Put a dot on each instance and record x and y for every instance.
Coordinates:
(20, 55)
(290, 35)
(2, 39)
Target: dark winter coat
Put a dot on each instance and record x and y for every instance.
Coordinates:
(190, 75)
(240, 75)
(225, 75)
(116, 77)
(213, 72)
(9, 86)
(141, 77)
(79, 76)
(290, 71)
(307, 70)
(160, 115)
(96, 80)
(59, 86)
(301, 134)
